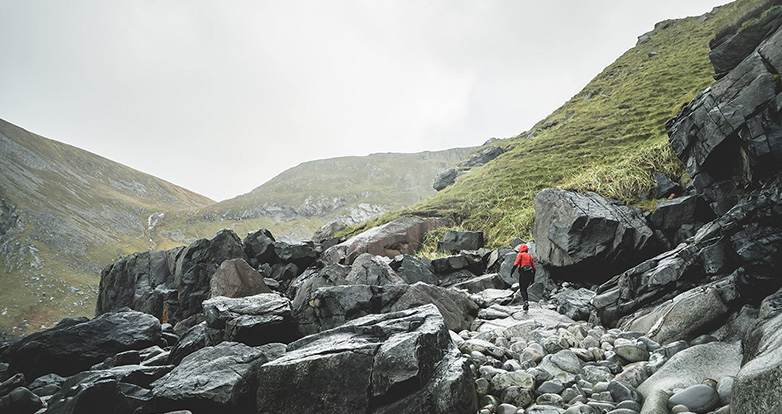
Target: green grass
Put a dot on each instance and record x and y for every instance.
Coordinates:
(610, 143)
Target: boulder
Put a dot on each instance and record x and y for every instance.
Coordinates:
(73, 347)
(672, 214)
(400, 362)
(235, 278)
(587, 237)
(330, 307)
(215, 379)
(254, 320)
(689, 315)
(574, 303)
(755, 387)
(401, 236)
(259, 248)
(328, 231)
(456, 241)
(446, 178)
(301, 254)
(195, 267)
(120, 390)
(693, 365)
(414, 269)
(368, 269)
(20, 401)
(193, 340)
(481, 157)
(449, 264)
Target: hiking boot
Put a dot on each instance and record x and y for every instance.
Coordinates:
(526, 306)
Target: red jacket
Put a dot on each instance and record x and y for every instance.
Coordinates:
(524, 259)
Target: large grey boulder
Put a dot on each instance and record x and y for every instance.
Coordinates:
(756, 386)
(587, 237)
(693, 365)
(259, 248)
(330, 307)
(235, 278)
(446, 178)
(254, 320)
(414, 269)
(687, 316)
(195, 267)
(76, 345)
(401, 236)
(368, 269)
(215, 379)
(482, 157)
(401, 362)
(456, 241)
(122, 389)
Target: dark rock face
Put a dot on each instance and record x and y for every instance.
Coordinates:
(235, 278)
(255, 320)
(140, 281)
(215, 379)
(730, 137)
(193, 340)
(456, 241)
(731, 51)
(587, 237)
(70, 348)
(397, 362)
(167, 284)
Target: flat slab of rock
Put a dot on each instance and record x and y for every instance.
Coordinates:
(75, 345)
(214, 379)
(401, 236)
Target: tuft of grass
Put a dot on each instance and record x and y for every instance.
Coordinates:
(632, 179)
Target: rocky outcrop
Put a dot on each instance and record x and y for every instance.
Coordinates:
(402, 362)
(730, 51)
(762, 369)
(586, 237)
(449, 175)
(75, 345)
(401, 236)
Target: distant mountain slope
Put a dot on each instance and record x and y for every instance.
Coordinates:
(608, 138)
(64, 214)
(299, 200)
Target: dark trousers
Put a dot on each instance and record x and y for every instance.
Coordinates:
(525, 279)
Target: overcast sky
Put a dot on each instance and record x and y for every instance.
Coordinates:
(220, 96)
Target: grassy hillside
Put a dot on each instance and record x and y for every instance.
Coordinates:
(64, 214)
(608, 138)
(301, 199)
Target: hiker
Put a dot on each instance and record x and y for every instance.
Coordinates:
(526, 266)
